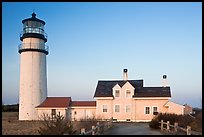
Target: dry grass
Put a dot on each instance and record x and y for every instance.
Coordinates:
(12, 126)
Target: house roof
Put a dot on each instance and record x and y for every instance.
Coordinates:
(104, 88)
(168, 103)
(83, 104)
(152, 92)
(58, 102)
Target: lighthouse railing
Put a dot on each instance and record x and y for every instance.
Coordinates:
(33, 46)
(33, 30)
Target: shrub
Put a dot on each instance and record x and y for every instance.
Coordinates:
(154, 123)
(182, 120)
(56, 126)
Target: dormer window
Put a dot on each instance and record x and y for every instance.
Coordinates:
(128, 93)
(117, 93)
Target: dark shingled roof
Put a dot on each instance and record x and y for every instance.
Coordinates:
(83, 104)
(104, 88)
(58, 102)
(152, 92)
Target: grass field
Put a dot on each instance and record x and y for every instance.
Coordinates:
(12, 126)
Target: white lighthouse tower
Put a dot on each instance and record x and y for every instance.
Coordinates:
(33, 77)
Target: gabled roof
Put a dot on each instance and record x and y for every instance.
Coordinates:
(55, 102)
(104, 88)
(152, 92)
(83, 104)
(168, 103)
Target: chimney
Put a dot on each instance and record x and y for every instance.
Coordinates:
(125, 75)
(164, 81)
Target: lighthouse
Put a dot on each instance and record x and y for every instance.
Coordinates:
(33, 77)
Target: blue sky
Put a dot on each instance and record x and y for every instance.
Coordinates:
(96, 41)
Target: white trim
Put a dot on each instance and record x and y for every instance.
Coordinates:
(149, 110)
(131, 120)
(103, 97)
(142, 120)
(82, 107)
(166, 104)
(50, 108)
(156, 98)
(129, 84)
(116, 87)
(122, 120)
(119, 95)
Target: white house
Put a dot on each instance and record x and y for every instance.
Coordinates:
(122, 100)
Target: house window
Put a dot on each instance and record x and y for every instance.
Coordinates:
(117, 93)
(155, 110)
(105, 109)
(53, 112)
(75, 112)
(117, 108)
(147, 110)
(127, 108)
(128, 94)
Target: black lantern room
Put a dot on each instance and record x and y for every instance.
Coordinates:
(33, 27)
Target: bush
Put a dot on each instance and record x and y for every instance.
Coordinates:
(154, 124)
(56, 126)
(182, 120)
(197, 123)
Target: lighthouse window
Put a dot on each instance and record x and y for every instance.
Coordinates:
(41, 26)
(29, 23)
(34, 24)
(25, 24)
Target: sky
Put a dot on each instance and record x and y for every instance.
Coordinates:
(95, 41)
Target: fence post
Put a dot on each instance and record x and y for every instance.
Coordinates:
(176, 127)
(168, 126)
(108, 124)
(93, 130)
(162, 125)
(98, 123)
(83, 131)
(188, 130)
(98, 127)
